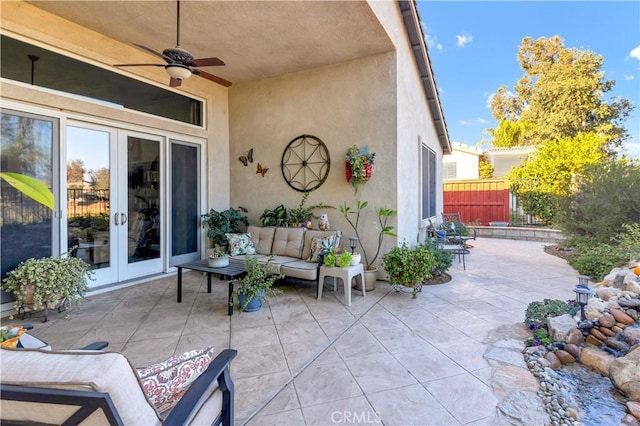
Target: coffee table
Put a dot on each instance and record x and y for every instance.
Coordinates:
(229, 273)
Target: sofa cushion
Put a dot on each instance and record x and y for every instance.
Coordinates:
(240, 244)
(262, 238)
(165, 382)
(308, 238)
(320, 245)
(300, 269)
(108, 372)
(288, 242)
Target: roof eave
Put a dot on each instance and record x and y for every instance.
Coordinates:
(411, 20)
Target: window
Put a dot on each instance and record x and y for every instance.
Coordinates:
(59, 72)
(450, 170)
(428, 160)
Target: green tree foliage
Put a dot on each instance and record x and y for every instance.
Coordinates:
(549, 172)
(560, 95)
(510, 134)
(606, 197)
(485, 169)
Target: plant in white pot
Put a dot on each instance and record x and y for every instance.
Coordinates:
(49, 282)
(382, 228)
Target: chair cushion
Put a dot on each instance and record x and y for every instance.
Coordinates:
(165, 383)
(300, 269)
(288, 242)
(320, 245)
(262, 238)
(240, 244)
(108, 372)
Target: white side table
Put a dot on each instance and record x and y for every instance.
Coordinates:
(346, 274)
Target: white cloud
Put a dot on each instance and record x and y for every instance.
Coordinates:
(430, 39)
(629, 77)
(635, 53)
(478, 120)
(439, 47)
(464, 39)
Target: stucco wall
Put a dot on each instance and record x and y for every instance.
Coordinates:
(344, 104)
(414, 127)
(466, 164)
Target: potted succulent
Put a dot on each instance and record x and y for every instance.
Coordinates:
(338, 258)
(49, 282)
(256, 286)
(217, 258)
(218, 224)
(353, 216)
(408, 266)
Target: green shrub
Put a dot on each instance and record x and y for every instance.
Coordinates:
(443, 258)
(537, 312)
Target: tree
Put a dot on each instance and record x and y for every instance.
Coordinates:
(561, 94)
(549, 172)
(75, 174)
(99, 178)
(485, 169)
(510, 134)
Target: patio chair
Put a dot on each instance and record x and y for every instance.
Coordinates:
(93, 387)
(457, 232)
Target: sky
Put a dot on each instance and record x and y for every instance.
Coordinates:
(473, 47)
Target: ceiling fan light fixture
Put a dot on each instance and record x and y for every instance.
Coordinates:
(179, 72)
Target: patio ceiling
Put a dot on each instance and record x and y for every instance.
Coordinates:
(256, 39)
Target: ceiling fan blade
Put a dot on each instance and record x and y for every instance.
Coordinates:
(174, 82)
(166, 58)
(212, 77)
(205, 62)
(139, 65)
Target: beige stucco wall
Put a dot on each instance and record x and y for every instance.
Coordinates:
(344, 104)
(466, 164)
(414, 127)
(25, 22)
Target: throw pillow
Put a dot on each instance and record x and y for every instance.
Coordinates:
(318, 246)
(165, 383)
(240, 244)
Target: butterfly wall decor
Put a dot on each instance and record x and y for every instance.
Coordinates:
(262, 170)
(247, 158)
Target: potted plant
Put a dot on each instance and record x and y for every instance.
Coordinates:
(408, 266)
(383, 228)
(217, 258)
(358, 165)
(338, 258)
(218, 224)
(49, 282)
(302, 215)
(256, 286)
(275, 217)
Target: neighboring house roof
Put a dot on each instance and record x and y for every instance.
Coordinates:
(412, 23)
(467, 149)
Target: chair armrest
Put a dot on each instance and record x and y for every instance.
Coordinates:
(95, 346)
(190, 402)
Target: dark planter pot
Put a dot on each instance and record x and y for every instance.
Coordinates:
(254, 304)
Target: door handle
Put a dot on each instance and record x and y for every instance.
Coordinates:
(123, 218)
(115, 219)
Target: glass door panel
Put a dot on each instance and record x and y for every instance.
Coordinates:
(26, 226)
(184, 204)
(90, 191)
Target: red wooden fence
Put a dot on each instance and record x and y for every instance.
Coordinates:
(478, 201)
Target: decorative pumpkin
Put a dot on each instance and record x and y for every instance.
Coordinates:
(636, 270)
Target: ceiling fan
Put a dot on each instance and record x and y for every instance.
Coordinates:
(180, 64)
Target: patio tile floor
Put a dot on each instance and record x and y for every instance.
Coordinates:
(302, 361)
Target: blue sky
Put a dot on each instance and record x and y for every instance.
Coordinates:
(473, 47)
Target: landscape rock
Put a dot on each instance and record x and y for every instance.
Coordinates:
(625, 374)
(561, 326)
(595, 309)
(607, 320)
(629, 420)
(606, 331)
(612, 278)
(574, 350)
(521, 408)
(592, 340)
(598, 334)
(596, 360)
(565, 357)
(629, 303)
(607, 293)
(622, 317)
(634, 408)
(575, 337)
(554, 362)
(630, 283)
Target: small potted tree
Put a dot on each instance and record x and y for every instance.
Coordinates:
(49, 282)
(408, 266)
(256, 286)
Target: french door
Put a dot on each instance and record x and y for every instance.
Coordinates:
(115, 199)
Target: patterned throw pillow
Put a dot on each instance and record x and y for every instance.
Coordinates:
(240, 244)
(165, 383)
(318, 246)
